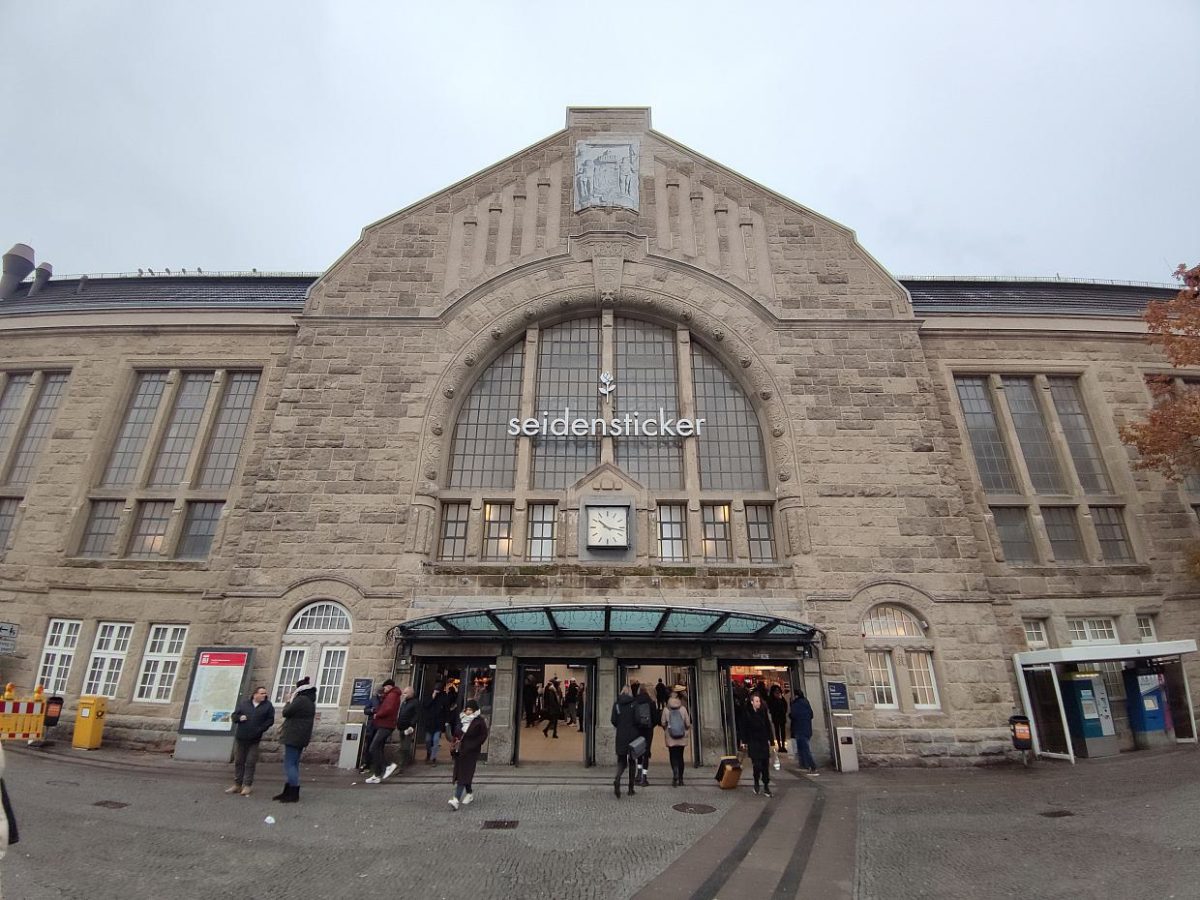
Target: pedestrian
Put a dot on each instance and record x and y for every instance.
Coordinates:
(622, 720)
(677, 727)
(757, 734)
(778, 707)
(570, 703)
(406, 722)
(551, 707)
(253, 716)
(661, 694)
(644, 715)
(470, 733)
(433, 712)
(802, 719)
(384, 721)
(298, 717)
(529, 698)
(369, 708)
(582, 705)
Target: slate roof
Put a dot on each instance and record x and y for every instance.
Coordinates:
(285, 293)
(932, 296)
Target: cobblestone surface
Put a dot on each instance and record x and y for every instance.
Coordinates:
(181, 837)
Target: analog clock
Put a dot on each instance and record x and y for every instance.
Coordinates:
(607, 527)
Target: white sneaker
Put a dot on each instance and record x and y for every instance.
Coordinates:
(390, 770)
(454, 803)
(467, 799)
(374, 779)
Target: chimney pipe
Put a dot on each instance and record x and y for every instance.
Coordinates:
(18, 262)
(40, 276)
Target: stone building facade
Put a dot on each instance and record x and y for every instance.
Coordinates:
(895, 486)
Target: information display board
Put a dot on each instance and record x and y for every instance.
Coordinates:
(216, 687)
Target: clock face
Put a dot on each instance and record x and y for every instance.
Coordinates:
(607, 526)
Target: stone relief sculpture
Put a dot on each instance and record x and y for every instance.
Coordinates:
(606, 173)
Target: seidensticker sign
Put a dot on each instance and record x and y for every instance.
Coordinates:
(629, 425)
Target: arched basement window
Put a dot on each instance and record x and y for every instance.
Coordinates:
(899, 660)
(315, 644)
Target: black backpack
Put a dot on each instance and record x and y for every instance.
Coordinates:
(641, 715)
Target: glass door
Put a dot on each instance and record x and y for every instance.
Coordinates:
(1179, 700)
(1044, 701)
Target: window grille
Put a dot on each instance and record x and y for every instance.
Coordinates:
(58, 654)
(672, 532)
(497, 531)
(542, 534)
(1110, 531)
(1081, 439)
(1062, 528)
(483, 453)
(160, 663)
(883, 679)
(1033, 436)
(1012, 526)
(453, 545)
(718, 546)
(108, 659)
(730, 445)
(760, 529)
(647, 380)
(991, 455)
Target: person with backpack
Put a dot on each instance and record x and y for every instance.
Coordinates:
(644, 714)
(677, 726)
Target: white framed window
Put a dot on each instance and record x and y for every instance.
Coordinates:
(883, 679)
(921, 680)
(160, 663)
(1035, 634)
(58, 653)
(316, 635)
(1145, 627)
(1096, 630)
(108, 659)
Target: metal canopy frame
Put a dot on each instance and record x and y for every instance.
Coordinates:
(567, 621)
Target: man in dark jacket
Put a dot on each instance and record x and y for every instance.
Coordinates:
(384, 721)
(298, 717)
(757, 733)
(369, 709)
(529, 698)
(627, 732)
(433, 714)
(406, 723)
(802, 719)
(253, 716)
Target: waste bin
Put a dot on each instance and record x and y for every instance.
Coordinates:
(351, 742)
(89, 723)
(54, 707)
(1022, 735)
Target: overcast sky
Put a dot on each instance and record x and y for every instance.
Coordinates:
(1040, 138)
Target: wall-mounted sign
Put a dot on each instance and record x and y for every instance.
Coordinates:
(362, 691)
(629, 425)
(839, 697)
(8, 637)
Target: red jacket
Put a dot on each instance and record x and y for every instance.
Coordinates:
(385, 715)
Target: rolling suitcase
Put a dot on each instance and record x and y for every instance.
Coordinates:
(729, 772)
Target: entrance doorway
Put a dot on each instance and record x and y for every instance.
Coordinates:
(456, 681)
(774, 681)
(555, 714)
(660, 680)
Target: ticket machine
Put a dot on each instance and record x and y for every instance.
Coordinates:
(1089, 715)
(1149, 717)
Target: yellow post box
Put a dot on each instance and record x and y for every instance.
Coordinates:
(89, 723)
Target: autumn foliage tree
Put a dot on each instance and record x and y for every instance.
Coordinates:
(1168, 440)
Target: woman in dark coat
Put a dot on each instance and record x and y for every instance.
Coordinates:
(552, 706)
(627, 732)
(298, 718)
(470, 732)
(777, 705)
(253, 716)
(757, 733)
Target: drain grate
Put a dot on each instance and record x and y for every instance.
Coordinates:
(500, 823)
(110, 804)
(699, 809)
(1057, 814)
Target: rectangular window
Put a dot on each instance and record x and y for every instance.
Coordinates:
(672, 532)
(991, 456)
(160, 663)
(150, 529)
(497, 531)
(12, 402)
(8, 517)
(29, 444)
(108, 659)
(1092, 631)
(1035, 634)
(922, 680)
(718, 547)
(291, 667)
(1145, 627)
(103, 518)
(1110, 531)
(180, 438)
(760, 528)
(199, 527)
(329, 679)
(58, 653)
(1085, 451)
(883, 679)
(1033, 436)
(1062, 528)
(543, 527)
(135, 430)
(1012, 525)
(453, 544)
(229, 431)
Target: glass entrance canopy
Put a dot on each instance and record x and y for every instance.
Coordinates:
(606, 622)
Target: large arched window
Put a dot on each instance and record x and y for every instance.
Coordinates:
(899, 660)
(607, 389)
(315, 644)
